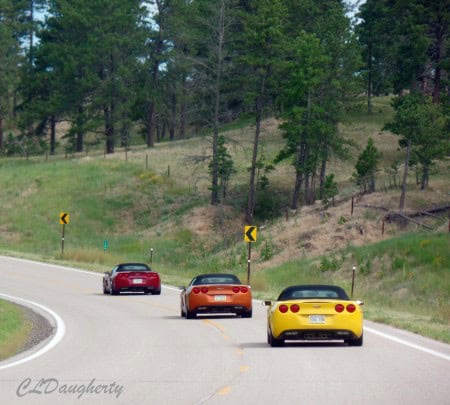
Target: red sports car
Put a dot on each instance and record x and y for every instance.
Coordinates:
(216, 293)
(131, 277)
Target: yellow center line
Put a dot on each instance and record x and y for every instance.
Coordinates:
(214, 324)
(224, 391)
(244, 368)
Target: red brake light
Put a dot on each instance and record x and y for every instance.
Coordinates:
(236, 289)
(204, 290)
(196, 290)
(295, 308)
(283, 308)
(244, 290)
(339, 307)
(351, 308)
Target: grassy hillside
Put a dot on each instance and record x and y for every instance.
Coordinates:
(158, 199)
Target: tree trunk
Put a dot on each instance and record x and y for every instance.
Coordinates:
(405, 176)
(425, 175)
(252, 191)
(311, 194)
(307, 187)
(173, 117)
(299, 160)
(109, 128)
(163, 129)
(372, 184)
(80, 131)
(151, 121)
(297, 188)
(369, 78)
(215, 199)
(323, 171)
(440, 32)
(31, 33)
(150, 125)
(1, 129)
(183, 109)
(52, 135)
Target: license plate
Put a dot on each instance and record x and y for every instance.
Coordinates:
(220, 298)
(316, 319)
(137, 280)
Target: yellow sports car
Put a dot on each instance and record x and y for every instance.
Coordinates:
(314, 312)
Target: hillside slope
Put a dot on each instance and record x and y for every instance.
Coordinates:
(157, 200)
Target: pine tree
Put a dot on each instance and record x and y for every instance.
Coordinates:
(366, 167)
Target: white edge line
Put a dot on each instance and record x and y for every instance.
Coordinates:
(409, 344)
(57, 337)
(384, 335)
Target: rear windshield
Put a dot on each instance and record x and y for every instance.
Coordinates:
(133, 267)
(216, 279)
(313, 292)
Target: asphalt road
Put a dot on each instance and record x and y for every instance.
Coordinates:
(136, 349)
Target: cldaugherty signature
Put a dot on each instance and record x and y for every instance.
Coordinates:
(49, 386)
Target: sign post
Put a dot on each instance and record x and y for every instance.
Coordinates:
(63, 220)
(250, 237)
(353, 279)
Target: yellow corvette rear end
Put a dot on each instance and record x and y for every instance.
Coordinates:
(315, 312)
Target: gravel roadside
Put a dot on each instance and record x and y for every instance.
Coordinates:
(40, 328)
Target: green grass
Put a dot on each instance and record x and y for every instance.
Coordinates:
(404, 281)
(13, 329)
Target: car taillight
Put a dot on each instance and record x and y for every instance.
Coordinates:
(283, 308)
(204, 290)
(339, 307)
(235, 290)
(196, 290)
(244, 290)
(295, 308)
(351, 308)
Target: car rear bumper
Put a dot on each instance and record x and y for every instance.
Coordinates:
(222, 309)
(318, 334)
(136, 288)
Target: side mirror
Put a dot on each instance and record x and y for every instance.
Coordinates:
(107, 273)
(267, 303)
(182, 288)
(359, 302)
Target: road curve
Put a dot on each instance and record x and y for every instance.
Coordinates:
(136, 349)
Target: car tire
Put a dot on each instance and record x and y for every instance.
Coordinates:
(105, 291)
(274, 342)
(113, 291)
(355, 342)
(156, 292)
(183, 314)
(247, 314)
(190, 314)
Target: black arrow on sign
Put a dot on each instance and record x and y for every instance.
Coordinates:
(249, 233)
(63, 218)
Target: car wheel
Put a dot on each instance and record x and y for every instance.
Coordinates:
(190, 314)
(156, 292)
(183, 314)
(355, 342)
(247, 314)
(105, 291)
(274, 342)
